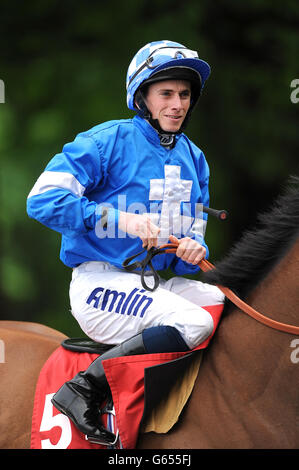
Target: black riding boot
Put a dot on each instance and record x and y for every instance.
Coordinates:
(80, 398)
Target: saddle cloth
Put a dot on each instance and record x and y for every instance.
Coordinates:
(138, 403)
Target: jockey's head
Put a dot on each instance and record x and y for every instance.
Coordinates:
(164, 83)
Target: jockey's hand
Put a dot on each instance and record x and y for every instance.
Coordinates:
(141, 226)
(189, 250)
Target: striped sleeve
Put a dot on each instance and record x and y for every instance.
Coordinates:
(58, 198)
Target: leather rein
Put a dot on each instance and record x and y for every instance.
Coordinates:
(205, 265)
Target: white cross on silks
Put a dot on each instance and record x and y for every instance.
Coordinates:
(172, 191)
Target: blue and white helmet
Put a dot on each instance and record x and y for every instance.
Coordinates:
(162, 55)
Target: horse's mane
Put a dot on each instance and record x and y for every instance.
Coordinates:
(258, 250)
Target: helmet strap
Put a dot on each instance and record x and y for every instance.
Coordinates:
(167, 139)
(142, 109)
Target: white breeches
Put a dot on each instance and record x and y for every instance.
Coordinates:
(111, 305)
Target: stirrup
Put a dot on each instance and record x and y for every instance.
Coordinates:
(107, 409)
(94, 440)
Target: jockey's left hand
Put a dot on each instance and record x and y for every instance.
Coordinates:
(189, 250)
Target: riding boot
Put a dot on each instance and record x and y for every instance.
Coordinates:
(80, 398)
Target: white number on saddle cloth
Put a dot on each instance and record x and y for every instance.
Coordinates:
(49, 421)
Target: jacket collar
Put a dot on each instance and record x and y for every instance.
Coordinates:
(149, 131)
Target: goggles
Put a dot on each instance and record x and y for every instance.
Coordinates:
(157, 58)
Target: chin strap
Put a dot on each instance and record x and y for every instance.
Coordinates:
(167, 140)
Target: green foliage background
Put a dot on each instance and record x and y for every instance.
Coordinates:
(64, 66)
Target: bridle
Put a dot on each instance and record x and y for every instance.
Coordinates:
(205, 265)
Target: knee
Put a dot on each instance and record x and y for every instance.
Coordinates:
(209, 324)
(163, 338)
(201, 330)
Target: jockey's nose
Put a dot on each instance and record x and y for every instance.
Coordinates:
(176, 101)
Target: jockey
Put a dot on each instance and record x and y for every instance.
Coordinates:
(121, 186)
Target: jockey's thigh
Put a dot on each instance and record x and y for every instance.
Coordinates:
(200, 293)
(111, 305)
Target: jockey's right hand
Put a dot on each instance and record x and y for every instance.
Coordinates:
(141, 226)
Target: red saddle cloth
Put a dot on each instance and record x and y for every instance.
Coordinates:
(53, 430)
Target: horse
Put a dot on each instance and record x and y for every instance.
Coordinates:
(246, 392)
(25, 347)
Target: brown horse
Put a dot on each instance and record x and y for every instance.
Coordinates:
(25, 347)
(246, 393)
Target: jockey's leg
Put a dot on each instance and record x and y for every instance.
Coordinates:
(80, 398)
(112, 308)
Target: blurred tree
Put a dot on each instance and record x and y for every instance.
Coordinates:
(64, 68)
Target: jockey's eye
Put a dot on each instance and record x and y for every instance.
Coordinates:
(165, 93)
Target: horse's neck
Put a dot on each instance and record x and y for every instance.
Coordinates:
(249, 368)
(278, 295)
(246, 393)
(258, 349)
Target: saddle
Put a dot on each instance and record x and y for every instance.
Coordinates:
(167, 386)
(148, 392)
(85, 345)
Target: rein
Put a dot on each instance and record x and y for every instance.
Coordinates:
(205, 265)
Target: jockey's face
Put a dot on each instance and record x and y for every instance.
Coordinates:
(169, 101)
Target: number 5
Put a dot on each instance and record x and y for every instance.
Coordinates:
(48, 423)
